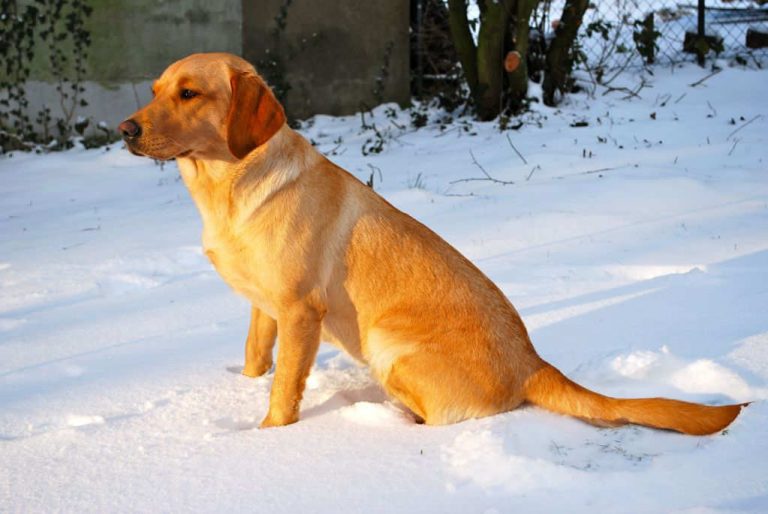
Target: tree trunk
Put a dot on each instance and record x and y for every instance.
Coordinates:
(462, 40)
(518, 79)
(490, 57)
(558, 55)
(483, 63)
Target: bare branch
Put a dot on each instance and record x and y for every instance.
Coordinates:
(714, 111)
(744, 125)
(516, 150)
(599, 170)
(705, 78)
(487, 177)
(630, 92)
(735, 142)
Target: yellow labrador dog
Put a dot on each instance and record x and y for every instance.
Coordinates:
(320, 255)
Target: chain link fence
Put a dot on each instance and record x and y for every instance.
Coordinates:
(615, 33)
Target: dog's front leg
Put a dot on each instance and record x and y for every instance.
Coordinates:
(258, 346)
(299, 333)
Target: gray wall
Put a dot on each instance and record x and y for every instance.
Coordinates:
(334, 72)
(134, 40)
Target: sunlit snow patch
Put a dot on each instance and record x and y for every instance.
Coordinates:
(76, 420)
(647, 272)
(374, 414)
(540, 320)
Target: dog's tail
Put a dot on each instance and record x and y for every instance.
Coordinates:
(550, 389)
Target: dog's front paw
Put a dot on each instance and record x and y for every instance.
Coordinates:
(256, 370)
(278, 421)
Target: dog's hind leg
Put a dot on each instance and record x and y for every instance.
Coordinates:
(259, 344)
(440, 394)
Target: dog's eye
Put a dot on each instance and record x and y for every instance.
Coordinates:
(186, 94)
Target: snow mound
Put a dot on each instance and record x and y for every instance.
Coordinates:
(706, 376)
(701, 376)
(375, 414)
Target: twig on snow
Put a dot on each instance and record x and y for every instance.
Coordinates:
(374, 169)
(705, 78)
(599, 170)
(460, 195)
(744, 125)
(630, 93)
(487, 177)
(516, 150)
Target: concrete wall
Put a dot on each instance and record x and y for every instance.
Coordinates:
(137, 39)
(335, 71)
(134, 40)
(109, 104)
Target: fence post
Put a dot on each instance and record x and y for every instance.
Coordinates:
(701, 32)
(419, 49)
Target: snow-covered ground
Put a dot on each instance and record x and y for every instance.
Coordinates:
(635, 248)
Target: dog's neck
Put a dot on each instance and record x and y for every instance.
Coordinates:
(253, 180)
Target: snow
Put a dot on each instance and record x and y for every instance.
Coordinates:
(636, 250)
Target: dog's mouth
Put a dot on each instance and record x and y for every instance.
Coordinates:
(136, 150)
(133, 150)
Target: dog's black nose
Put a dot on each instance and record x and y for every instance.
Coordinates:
(129, 129)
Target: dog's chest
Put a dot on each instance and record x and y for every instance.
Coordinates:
(232, 241)
(241, 267)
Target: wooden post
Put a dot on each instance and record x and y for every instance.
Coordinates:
(645, 38)
(701, 32)
(419, 49)
(756, 38)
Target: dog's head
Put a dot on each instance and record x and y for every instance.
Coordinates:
(205, 106)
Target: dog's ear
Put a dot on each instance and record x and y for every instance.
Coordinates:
(254, 114)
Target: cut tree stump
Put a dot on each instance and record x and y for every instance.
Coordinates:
(757, 39)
